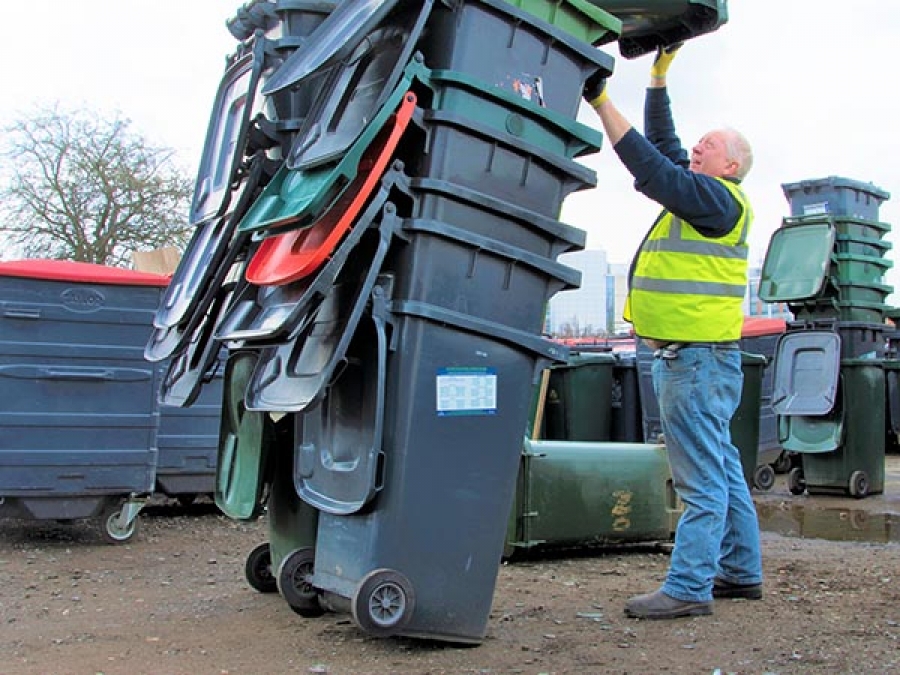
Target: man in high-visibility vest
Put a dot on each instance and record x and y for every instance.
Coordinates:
(685, 300)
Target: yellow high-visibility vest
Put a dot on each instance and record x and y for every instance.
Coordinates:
(686, 287)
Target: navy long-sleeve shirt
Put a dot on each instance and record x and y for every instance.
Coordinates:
(660, 164)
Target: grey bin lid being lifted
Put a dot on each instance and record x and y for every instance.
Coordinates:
(797, 262)
(648, 25)
(807, 369)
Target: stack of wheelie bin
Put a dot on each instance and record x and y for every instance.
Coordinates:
(376, 240)
(827, 261)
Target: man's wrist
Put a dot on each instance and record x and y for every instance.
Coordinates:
(597, 101)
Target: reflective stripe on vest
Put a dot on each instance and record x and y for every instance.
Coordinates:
(687, 287)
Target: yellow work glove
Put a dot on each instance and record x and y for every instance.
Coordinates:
(594, 91)
(663, 60)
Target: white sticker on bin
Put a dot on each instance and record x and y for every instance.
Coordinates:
(817, 209)
(466, 391)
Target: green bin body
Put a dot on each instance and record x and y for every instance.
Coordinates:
(578, 404)
(745, 422)
(863, 447)
(579, 494)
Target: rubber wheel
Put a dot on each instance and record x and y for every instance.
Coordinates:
(796, 483)
(293, 577)
(383, 602)
(258, 570)
(859, 484)
(764, 477)
(110, 529)
(782, 463)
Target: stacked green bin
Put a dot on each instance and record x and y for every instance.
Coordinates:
(745, 423)
(577, 403)
(827, 262)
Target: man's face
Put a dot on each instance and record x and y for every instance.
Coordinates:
(710, 156)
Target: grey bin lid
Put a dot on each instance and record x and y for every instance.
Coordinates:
(648, 25)
(371, 72)
(806, 372)
(797, 262)
(227, 134)
(336, 37)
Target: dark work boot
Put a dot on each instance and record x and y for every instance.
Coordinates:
(658, 605)
(726, 589)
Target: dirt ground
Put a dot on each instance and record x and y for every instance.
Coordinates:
(175, 600)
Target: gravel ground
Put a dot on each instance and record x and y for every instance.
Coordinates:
(175, 600)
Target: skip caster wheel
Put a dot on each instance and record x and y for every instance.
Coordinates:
(111, 528)
(258, 570)
(764, 477)
(859, 484)
(796, 482)
(293, 580)
(383, 602)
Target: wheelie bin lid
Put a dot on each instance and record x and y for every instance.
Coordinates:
(797, 262)
(810, 434)
(806, 372)
(337, 36)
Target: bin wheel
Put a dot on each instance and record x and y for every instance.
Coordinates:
(764, 477)
(258, 570)
(293, 580)
(782, 463)
(383, 602)
(859, 484)
(186, 499)
(111, 529)
(796, 482)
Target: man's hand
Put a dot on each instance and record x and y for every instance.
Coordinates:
(664, 57)
(595, 90)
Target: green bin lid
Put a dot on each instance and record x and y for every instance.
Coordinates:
(797, 262)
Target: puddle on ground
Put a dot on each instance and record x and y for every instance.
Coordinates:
(836, 524)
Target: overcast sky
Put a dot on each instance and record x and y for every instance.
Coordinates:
(807, 81)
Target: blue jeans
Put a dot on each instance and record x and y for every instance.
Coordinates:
(718, 533)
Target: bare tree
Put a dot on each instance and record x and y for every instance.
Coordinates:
(78, 186)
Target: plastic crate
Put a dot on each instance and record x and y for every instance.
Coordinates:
(510, 48)
(834, 196)
(580, 19)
